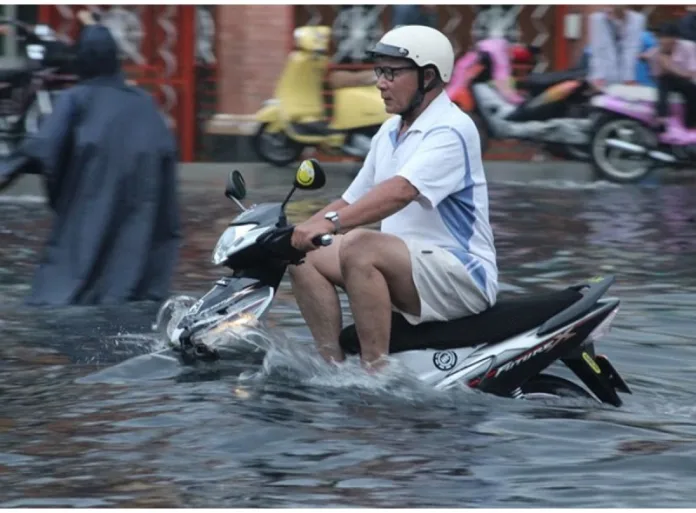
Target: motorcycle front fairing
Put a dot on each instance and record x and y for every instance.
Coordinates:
(257, 273)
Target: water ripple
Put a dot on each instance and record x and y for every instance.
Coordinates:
(293, 434)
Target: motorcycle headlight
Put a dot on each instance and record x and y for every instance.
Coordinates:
(229, 238)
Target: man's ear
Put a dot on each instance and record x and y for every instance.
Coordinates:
(430, 76)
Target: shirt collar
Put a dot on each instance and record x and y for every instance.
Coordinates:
(430, 115)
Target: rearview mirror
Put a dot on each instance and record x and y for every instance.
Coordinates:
(235, 188)
(310, 175)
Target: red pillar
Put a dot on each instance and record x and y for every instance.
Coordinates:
(45, 14)
(186, 125)
(561, 57)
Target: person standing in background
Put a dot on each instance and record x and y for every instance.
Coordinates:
(687, 25)
(109, 167)
(414, 15)
(673, 64)
(615, 39)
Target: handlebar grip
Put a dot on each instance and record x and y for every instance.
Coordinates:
(322, 240)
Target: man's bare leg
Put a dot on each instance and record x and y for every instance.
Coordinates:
(314, 286)
(376, 269)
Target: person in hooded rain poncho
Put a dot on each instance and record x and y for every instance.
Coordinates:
(109, 165)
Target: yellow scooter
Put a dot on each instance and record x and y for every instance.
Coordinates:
(296, 118)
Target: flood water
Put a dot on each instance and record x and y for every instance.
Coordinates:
(293, 434)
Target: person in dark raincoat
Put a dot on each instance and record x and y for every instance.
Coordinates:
(109, 164)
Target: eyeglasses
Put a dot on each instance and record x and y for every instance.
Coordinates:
(388, 71)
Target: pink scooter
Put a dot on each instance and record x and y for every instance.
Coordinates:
(626, 144)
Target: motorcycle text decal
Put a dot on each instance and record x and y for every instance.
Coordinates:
(445, 360)
(543, 348)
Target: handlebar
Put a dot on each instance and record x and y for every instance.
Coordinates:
(278, 242)
(25, 28)
(323, 240)
(32, 35)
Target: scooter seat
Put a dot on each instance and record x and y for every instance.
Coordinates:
(507, 318)
(639, 93)
(537, 83)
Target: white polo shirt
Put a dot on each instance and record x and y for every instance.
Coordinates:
(440, 155)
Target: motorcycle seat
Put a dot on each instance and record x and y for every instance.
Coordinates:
(13, 74)
(640, 93)
(537, 83)
(314, 128)
(507, 318)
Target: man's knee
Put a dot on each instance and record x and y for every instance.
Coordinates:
(358, 249)
(323, 261)
(309, 265)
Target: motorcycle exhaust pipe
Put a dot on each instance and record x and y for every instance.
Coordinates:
(626, 146)
(660, 156)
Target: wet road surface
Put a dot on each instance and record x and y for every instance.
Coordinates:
(293, 434)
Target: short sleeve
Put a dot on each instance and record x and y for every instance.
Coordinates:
(439, 165)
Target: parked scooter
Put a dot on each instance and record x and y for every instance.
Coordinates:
(626, 144)
(296, 117)
(27, 93)
(546, 108)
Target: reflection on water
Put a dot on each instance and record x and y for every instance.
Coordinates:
(296, 434)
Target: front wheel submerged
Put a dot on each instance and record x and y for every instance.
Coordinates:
(169, 315)
(546, 386)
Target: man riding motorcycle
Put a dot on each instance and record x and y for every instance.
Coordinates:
(434, 259)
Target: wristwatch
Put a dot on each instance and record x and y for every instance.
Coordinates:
(333, 217)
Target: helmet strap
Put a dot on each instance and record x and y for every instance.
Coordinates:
(419, 95)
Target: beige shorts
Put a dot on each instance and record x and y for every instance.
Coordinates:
(444, 286)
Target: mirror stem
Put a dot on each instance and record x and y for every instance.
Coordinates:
(287, 198)
(239, 204)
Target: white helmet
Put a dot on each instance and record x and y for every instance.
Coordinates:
(425, 46)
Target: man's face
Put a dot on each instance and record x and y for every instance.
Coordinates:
(397, 81)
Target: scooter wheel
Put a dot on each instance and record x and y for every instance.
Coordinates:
(605, 159)
(276, 148)
(547, 386)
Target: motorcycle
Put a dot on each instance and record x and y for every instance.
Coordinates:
(504, 350)
(626, 128)
(296, 117)
(552, 112)
(27, 93)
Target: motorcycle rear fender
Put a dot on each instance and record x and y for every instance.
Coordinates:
(567, 343)
(595, 371)
(271, 115)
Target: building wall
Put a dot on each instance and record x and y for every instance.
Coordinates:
(252, 47)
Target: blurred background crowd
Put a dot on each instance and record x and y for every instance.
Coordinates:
(611, 87)
(212, 67)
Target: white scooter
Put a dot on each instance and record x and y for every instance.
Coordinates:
(503, 351)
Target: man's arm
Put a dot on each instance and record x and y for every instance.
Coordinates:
(385, 199)
(668, 65)
(334, 206)
(435, 171)
(634, 41)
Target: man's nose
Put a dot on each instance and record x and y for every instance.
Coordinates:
(382, 83)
